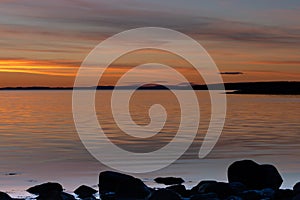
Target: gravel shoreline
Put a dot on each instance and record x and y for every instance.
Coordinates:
(247, 180)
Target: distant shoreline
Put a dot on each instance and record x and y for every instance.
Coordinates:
(275, 87)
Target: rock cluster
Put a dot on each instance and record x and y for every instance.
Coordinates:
(247, 180)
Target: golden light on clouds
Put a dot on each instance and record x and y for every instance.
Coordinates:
(35, 67)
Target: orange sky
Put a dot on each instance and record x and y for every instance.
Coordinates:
(44, 43)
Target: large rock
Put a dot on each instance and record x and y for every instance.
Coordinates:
(169, 180)
(4, 196)
(297, 197)
(283, 194)
(124, 186)
(84, 191)
(45, 188)
(164, 194)
(253, 175)
(271, 177)
(296, 188)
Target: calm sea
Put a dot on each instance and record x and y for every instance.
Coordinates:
(39, 143)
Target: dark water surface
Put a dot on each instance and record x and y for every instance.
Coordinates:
(39, 143)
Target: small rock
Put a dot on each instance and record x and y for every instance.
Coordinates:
(234, 198)
(222, 190)
(164, 194)
(84, 191)
(66, 196)
(108, 196)
(296, 188)
(200, 187)
(207, 196)
(268, 192)
(251, 195)
(169, 180)
(237, 187)
(4, 196)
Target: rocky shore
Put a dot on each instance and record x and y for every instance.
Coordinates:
(247, 180)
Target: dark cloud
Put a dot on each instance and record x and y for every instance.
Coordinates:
(231, 73)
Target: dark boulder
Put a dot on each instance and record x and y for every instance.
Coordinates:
(169, 180)
(245, 171)
(4, 196)
(271, 177)
(200, 187)
(297, 197)
(108, 196)
(283, 194)
(268, 193)
(296, 188)
(237, 187)
(164, 194)
(47, 191)
(253, 175)
(251, 195)
(234, 198)
(207, 196)
(124, 186)
(66, 196)
(179, 189)
(222, 190)
(45, 188)
(84, 191)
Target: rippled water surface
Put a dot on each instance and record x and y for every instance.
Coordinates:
(38, 140)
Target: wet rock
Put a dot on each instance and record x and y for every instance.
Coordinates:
(200, 187)
(169, 180)
(223, 190)
(207, 196)
(45, 188)
(296, 188)
(237, 187)
(108, 196)
(251, 195)
(245, 171)
(164, 194)
(253, 175)
(66, 196)
(124, 186)
(283, 194)
(4, 196)
(271, 177)
(267, 193)
(234, 198)
(179, 189)
(84, 191)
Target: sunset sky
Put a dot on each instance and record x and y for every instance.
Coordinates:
(44, 42)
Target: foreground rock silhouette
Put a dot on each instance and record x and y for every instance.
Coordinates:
(253, 175)
(247, 180)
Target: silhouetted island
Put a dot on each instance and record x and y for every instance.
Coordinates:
(272, 88)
